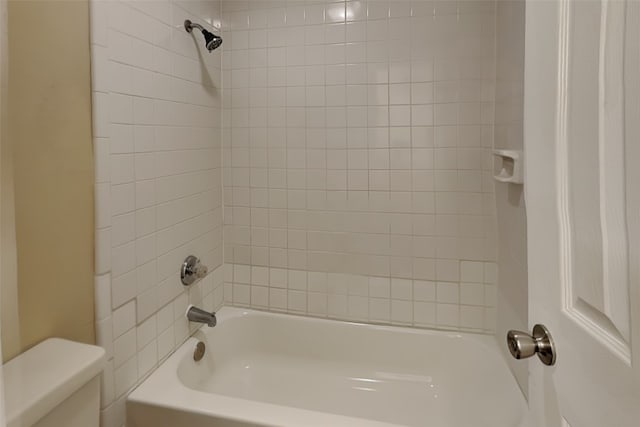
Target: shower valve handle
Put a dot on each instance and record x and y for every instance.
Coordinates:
(192, 269)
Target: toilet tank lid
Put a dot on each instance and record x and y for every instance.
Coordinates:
(44, 376)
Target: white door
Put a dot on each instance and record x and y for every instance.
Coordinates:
(582, 149)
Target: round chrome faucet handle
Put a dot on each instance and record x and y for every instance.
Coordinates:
(192, 270)
(522, 345)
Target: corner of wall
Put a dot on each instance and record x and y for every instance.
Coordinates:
(512, 291)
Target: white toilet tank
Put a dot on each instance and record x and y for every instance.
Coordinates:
(54, 384)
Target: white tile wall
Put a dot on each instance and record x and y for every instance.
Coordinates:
(352, 147)
(157, 135)
(468, 305)
(356, 142)
(512, 293)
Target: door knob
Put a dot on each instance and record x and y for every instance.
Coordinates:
(522, 345)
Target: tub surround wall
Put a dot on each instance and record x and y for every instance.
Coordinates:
(48, 152)
(512, 308)
(156, 122)
(352, 147)
(372, 299)
(357, 166)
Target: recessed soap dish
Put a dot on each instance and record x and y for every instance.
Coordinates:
(511, 167)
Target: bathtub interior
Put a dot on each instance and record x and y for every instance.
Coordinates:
(389, 374)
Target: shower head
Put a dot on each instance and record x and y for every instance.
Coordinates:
(212, 41)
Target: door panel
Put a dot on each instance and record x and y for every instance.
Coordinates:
(582, 141)
(591, 171)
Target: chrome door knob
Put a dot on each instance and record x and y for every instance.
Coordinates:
(522, 345)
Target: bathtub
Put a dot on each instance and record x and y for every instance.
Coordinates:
(265, 369)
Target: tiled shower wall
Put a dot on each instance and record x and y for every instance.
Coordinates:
(357, 165)
(357, 169)
(157, 118)
(512, 292)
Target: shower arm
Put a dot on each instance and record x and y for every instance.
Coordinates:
(189, 26)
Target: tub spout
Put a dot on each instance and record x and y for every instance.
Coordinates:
(194, 314)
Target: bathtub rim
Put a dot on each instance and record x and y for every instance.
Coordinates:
(177, 396)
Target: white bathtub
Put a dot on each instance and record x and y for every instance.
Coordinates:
(269, 369)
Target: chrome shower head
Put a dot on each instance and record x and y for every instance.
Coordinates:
(212, 41)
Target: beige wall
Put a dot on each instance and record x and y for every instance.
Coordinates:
(8, 265)
(49, 113)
